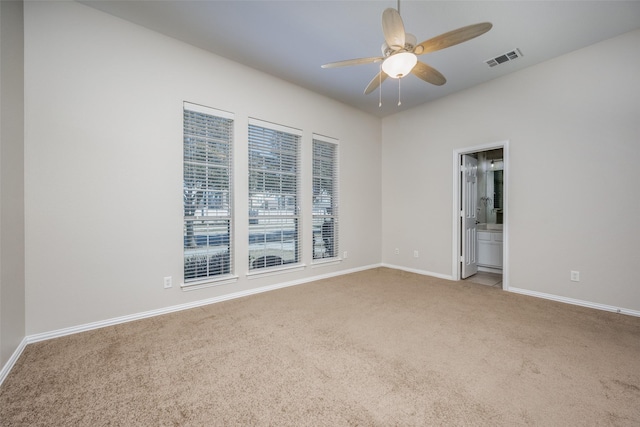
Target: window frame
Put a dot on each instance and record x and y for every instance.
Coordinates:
(267, 217)
(210, 216)
(331, 217)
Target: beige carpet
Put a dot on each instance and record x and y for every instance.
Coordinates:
(376, 348)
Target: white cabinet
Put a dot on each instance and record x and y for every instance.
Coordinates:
(490, 249)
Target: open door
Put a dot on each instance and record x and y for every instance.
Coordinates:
(469, 216)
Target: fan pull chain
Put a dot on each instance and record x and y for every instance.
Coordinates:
(380, 87)
(399, 101)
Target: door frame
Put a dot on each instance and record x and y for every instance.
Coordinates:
(457, 223)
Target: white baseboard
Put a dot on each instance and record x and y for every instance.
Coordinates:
(137, 316)
(422, 272)
(573, 301)
(166, 310)
(12, 360)
(490, 269)
(171, 309)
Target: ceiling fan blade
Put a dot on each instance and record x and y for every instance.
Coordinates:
(375, 82)
(428, 74)
(393, 29)
(452, 38)
(357, 61)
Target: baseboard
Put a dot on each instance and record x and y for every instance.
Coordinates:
(166, 310)
(490, 270)
(573, 301)
(422, 272)
(12, 360)
(171, 309)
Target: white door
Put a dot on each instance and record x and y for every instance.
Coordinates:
(469, 216)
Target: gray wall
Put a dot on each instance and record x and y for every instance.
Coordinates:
(574, 134)
(103, 159)
(12, 281)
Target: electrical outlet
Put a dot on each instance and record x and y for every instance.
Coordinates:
(397, 251)
(575, 276)
(167, 282)
(345, 255)
(416, 254)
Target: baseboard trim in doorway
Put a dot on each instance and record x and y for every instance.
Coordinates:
(573, 301)
(490, 270)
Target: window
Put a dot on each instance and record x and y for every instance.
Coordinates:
(274, 214)
(325, 198)
(208, 136)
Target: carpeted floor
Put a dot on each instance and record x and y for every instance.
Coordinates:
(376, 348)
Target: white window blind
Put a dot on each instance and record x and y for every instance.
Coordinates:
(325, 198)
(207, 193)
(274, 214)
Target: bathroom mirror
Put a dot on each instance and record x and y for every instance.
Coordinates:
(490, 187)
(493, 199)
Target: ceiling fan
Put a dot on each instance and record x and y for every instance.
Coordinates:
(400, 50)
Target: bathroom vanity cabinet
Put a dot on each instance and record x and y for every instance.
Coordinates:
(490, 249)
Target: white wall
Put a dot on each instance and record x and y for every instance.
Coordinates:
(574, 131)
(12, 281)
(103, 171)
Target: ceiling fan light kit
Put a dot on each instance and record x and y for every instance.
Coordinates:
(399, 65)
(399, 51)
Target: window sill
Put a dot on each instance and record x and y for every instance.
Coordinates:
(275, 271)
(323, 262)
(209, 282)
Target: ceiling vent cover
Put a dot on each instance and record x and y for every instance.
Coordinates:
(509, 56)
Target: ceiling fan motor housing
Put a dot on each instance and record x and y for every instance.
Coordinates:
(409, 43)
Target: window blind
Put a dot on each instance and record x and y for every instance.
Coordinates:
(325, 198)
(274, 214)
(207, 193)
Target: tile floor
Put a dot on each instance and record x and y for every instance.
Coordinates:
(485, 278)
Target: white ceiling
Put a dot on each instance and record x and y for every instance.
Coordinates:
(292, 39)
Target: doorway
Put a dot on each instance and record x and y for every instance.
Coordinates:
(489, 228)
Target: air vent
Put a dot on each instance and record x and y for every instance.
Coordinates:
(509, 56)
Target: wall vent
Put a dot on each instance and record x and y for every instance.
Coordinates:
(509, 56)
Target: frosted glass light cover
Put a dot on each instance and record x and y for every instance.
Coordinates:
(399, 65)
